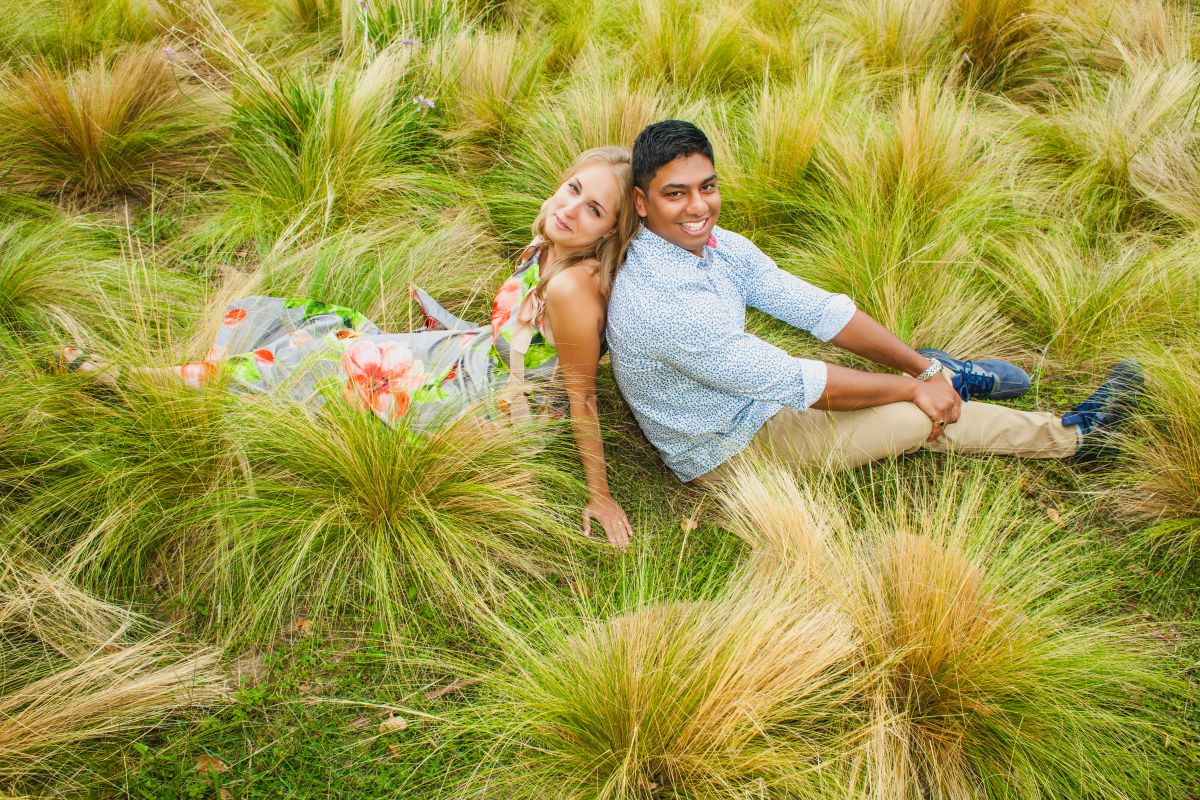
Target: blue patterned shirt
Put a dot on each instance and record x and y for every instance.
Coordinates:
(699, 385)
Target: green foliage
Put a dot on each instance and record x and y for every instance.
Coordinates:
(1159, 481)
(339, 512)
(316, 153)
(997, 177)
(49, 273)
(114, 127)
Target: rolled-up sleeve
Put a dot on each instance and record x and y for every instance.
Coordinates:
(734, 362)
(792, 300)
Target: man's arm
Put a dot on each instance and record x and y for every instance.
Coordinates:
(865, 337)
(834, 318)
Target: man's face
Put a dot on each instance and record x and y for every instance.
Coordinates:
(683, 202)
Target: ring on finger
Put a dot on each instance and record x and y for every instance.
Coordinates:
(941, 423)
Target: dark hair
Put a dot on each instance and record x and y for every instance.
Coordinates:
(662, 143)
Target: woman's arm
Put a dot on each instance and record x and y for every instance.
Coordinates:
(575, 311)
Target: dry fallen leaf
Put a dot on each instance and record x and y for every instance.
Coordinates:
(395, 750)
(303, 626)
(450, 688)
(359, 722)
(207, 763)
(393, 723)
(1053, 514)
(689, 525)
(225, 794)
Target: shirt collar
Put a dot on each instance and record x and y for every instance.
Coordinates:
(656, 244)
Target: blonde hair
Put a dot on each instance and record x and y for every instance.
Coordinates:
(609, 250)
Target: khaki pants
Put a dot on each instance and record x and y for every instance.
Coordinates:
(850, 438)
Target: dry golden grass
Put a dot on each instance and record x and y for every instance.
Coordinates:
(984, 658)
(737, 693)
(75, 672)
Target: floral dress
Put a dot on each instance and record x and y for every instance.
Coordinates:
(311, 351)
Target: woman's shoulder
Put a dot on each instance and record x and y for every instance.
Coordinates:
(576, 286)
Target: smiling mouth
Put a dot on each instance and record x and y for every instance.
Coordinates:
(562, 225)
(695, 227)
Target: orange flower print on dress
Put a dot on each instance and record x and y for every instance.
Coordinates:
(233, 316)
(197, 373)
(502, 306)
(264, 357)
(382, 377)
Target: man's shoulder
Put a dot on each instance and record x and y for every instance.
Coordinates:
(734, 244)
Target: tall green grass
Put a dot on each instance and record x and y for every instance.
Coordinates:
(98, 132)
(1080, 299)
(1159, 482)
(724, 691)
(318, 152)
(1100, 127)
(337, 512)
(250, 512)
(903, 211)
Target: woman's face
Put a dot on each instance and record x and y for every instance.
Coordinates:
(584, 208)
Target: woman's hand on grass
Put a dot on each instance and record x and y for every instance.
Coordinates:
(609, 514)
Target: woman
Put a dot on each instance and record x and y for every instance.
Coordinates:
(546, 319)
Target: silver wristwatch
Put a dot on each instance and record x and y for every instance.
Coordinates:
(934, 368)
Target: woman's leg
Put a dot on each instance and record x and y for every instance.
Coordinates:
(193, 374)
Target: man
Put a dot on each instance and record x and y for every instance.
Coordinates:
(703, 389)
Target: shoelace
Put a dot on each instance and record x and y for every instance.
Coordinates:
(974, 383)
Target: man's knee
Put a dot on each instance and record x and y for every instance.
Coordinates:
(911, 426)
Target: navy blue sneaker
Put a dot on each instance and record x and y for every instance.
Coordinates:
(985, 379)
(1106, 408)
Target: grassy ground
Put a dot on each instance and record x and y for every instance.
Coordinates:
(388, 616)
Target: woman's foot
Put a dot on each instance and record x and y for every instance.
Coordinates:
(76, 360)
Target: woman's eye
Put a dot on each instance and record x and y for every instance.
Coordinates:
(574, 189)
(596, 211)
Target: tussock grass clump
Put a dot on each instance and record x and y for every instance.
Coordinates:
(252, 510)
(1167, 173)
(1078, 299)
(70, 31)
(340, 512)
(904, 209)
(319, 152)
(742, 691)
(688, 44)
(887, 36)
(78, 675)
(486, 88)
(1160, 482)
(992, 670)
(1099, 129)
(114, 127)
(134, 514)
(1105, 34)
(776, 139)
(454, 259)
(49, 275)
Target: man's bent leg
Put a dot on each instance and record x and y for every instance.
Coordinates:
(837, 439)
